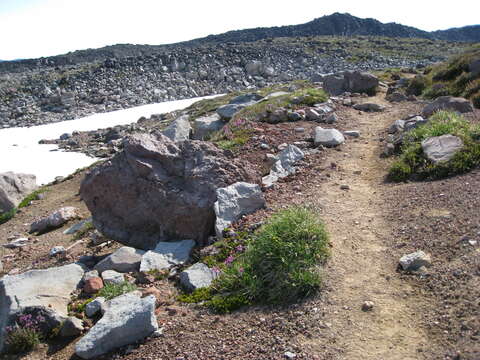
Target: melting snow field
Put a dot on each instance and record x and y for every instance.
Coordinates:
(21, 153)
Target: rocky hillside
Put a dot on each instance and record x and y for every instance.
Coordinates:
(46, 90)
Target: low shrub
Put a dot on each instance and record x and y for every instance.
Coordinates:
(417, 85)
(25, 334)
(412, 163)
(279, 265)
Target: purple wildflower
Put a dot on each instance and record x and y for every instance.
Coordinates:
(229, 260)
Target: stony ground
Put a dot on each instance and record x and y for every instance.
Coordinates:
(431, 315)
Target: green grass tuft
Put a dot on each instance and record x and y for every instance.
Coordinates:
(279, 265)
(412, 163)
(22, 340)
(110, 291)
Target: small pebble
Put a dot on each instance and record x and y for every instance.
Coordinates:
(367, 306)
(344, 187)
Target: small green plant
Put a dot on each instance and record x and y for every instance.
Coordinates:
(196, 296)
(25, 334)
(110, 291)
(278, 265)
(412, 162)
(158, 274)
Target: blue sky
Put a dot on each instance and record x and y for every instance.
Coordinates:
(35, 28)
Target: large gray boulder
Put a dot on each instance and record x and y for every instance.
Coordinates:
(157, 190)
(328, 137)
(14, 188)
(458, 104)
(179, 129)
(441, 148)
(128, 319)
(350, 81)
(126, 259)
(166, 255)
(234, 201)
(284, 166)
(207, 125)
(38, 289)
(197, 276)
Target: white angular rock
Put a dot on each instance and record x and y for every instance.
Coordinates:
(415, 261)
(112, 277)
(284, 166)
(49, 289)
(328, 137)
(17, 243)
(167, 254)
(54, 220)
(127, 319)
(57, 250)
(234, 201)
(90, 274)
(197, 276)
(125, 259)
(204, 126)
(441, 148)
(179, 129)
(13, 188)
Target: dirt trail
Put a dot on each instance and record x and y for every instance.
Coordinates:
(361, 268)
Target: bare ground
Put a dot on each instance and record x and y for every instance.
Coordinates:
(368, 235)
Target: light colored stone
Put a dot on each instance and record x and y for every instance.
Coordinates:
(284, 166)
(46, 289)
(17, 243)
(414, 261)
(441, 148)
(207, 125)
(127, 320)
(125, 259)
(234, 201)
(179, 129)
(71, 327)
(14, 188)
(328, 137)
(78, 226)
(94, 307)
(166, 255)
(57, 250)
(54, 220)
(112, 277)
(197, 276)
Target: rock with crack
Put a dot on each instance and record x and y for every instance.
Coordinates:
(234, 201)
(125, 259)
(328, 137)
(54, 220)
(128, 319)
(38, 289)
(158, 190)
(179, 129)
(207, 125)
(166, 255)
(458, 104)
(14, 188)
(197, 276)
(441, 148)
(284, 166)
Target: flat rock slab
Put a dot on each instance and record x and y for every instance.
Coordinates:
(207, 125)
(197, 276)
(50, 289)
(128, 319)
(125, 259)
(54, 220)
(328, 137)
(441, 148)
(13, 188)
(234, 201)
(458, 104)
(166, 255)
